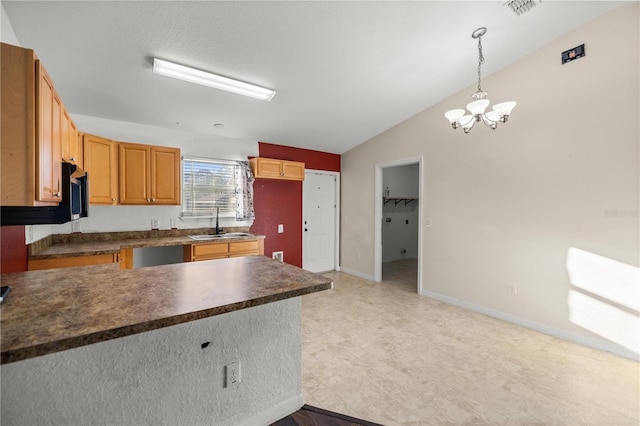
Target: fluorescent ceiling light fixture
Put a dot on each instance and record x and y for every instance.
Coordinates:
(204, 78)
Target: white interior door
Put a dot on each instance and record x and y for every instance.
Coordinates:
(319, 208)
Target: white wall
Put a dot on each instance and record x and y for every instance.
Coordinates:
(398, 235)
(165, 377)
(138, 218)
(507, 206)
(7, 35)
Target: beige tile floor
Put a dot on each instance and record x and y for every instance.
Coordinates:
(381, 352)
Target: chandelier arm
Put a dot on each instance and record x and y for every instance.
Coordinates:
(489, 122)
(469, 124)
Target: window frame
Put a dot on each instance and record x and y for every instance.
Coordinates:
(226, 213)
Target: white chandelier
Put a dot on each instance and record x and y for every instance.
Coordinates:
(499, 114)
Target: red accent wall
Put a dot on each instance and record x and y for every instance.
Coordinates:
(280, 202)
(13, 249)
(316, 160)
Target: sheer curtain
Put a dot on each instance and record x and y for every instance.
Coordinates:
(244, 191)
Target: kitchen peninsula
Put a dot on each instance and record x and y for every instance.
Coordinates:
(98, 344)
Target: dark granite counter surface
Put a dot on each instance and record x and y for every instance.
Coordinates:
(59, 309)
(110, 243)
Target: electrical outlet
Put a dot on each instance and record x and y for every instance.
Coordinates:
(512, 289)
(233, 374)
(76, 227)
(280, 229)
(174, 223)
(155, 224)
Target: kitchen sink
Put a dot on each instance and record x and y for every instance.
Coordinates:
(206, 237)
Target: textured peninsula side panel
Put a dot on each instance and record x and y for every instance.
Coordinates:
(165, 376)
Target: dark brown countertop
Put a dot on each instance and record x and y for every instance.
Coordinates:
(58, 309)
(90, 248)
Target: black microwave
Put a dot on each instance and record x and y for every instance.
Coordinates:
(73, 206)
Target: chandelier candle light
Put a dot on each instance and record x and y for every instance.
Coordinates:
(500, 112)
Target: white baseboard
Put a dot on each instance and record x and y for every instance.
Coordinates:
(543, 328)
(356, 273)
(273, 414)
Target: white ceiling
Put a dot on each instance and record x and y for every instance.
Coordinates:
(343, 71)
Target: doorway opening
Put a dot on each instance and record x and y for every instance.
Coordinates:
(398, 215)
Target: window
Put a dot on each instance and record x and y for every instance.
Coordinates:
(209, 185)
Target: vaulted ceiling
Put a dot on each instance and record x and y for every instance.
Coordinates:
(343, 71)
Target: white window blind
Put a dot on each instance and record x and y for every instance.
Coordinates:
(208, 185)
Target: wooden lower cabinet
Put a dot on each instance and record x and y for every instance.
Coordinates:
(244, 248)
(209, 251)
(68, 262)
(223, 250)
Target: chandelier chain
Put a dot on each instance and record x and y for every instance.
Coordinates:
(480, 62)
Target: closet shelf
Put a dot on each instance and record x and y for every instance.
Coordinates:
(398, 200)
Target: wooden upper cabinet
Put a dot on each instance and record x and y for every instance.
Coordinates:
(75, 142)
(101, 165)
(149, 174)
(133, 171)
(293, 170)
(71, 148)
(49, 138)
(165, 175)
(269, 168)
(31, 131)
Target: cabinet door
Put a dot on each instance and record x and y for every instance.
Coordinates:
(165, 175)
(75, 145)
(101, 165)
(70, 152)
(209, 251)
(293, 170)
(243, 248)
(48, 138)
(65, 145)
(134, 171)
(267, 168)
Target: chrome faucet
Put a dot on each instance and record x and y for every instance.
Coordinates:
(218, 229)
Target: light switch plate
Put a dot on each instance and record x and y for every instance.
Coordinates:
(280, 229)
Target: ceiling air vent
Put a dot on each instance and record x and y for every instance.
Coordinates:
(521, 6)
